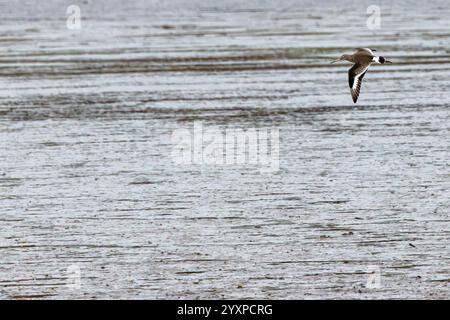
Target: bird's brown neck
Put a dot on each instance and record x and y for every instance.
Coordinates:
(348, 57)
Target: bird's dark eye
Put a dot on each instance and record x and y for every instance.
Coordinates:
(382, 60)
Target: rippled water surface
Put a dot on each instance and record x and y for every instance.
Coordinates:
(87, 179)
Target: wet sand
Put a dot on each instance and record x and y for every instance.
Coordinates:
(87, 178)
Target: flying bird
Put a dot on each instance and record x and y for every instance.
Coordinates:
(362, 59)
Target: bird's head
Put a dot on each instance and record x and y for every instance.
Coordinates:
(344, 57)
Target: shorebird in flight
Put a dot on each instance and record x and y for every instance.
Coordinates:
(362, 59)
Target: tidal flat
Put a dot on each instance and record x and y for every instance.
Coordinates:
(89, 186)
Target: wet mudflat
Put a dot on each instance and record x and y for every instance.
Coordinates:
(88, 180)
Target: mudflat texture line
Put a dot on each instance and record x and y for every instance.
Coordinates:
(88, 181)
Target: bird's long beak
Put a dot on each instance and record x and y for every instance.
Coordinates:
(337, 60)
(387, 61)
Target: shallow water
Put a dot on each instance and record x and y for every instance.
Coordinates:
(88, 180)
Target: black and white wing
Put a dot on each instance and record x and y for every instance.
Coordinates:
(355, 77)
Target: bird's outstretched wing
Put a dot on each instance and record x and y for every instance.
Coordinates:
(355, 77)
(366, 50)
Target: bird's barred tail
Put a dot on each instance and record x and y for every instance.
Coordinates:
(380, 60)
